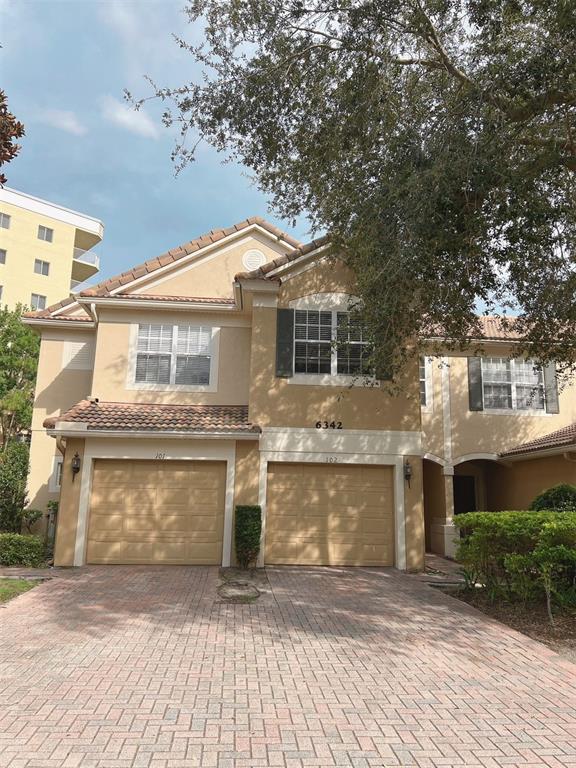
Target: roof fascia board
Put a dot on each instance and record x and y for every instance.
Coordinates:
(201, 252)
(48, 322)
(156, 304)
(67, 431)
(259, 285)
(538, 453)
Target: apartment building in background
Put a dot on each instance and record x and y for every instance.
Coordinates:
(46, 251)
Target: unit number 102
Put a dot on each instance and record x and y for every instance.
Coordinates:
(328, 425)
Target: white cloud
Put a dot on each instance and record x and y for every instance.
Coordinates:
(126, 117)
(64, 120)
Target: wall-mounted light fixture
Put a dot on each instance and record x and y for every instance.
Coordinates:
(407, 472)
(75, 465)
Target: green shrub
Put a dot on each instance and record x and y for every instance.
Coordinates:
(561, 498)
(30, 517)
(521, 555)
(17, 549)
(248, 524)
(13, 476)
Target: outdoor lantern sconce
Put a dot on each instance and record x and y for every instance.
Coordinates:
(76, 463)
(407, 472)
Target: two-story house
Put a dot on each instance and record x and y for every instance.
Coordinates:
(208, 377)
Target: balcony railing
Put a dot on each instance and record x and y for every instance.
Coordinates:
(87, 257)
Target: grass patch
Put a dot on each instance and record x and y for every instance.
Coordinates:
(10, 588)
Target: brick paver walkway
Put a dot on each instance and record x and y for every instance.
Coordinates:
(142, 667)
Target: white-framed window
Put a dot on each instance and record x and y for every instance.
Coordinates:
(1, 291)
(329, 342)
(55, 482)
(2, 255)
(37, 301)
(45, 233)
(5, 220)
(78, 355)
(175, 356)
(41, 267)
(425, 379)
(512, 385)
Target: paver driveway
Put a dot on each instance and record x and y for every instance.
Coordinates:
(117, 667)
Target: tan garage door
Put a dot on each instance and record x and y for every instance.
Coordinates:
(329, 514)
(157, 512)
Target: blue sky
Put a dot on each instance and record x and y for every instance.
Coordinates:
(64, 65)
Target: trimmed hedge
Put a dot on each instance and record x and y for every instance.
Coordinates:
(17, 549)
(561, 498)
(248, 527)
(520, 556)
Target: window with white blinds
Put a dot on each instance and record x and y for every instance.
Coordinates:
(173, 355)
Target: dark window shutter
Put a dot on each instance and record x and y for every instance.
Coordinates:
(285, 343)
(551, 387)
(475, 384)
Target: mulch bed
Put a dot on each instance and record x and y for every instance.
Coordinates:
(531, 620)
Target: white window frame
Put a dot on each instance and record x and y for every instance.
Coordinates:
(428, 407)
(55, 482)
(334, 303)
(44, 229)
(212, 386)
(513, 383)
(38, 296)
(41, 263)
(5, 220)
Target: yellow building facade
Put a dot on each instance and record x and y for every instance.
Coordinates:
(45, 250)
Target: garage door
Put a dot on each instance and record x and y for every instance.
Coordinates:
(326, 514)
(157, 512)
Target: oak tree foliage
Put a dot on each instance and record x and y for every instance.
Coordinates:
(433, 140)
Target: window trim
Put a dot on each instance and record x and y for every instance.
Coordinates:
(428, 384)
(513, 411)
(131, 382)
(5, 216)
(334, 303)
(57, 468)
(41, 263)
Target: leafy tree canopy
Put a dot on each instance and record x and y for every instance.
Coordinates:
(434, 140)
(18, 363)
(10, 129)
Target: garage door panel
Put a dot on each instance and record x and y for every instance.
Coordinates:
(329, 514)
(157, 512)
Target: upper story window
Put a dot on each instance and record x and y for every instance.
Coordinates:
(37, 301)
(423, 382)
(5, 220)
(45, 233)
(329, 342)
(2, 256)
(41, 267)
(179, 355)
(512, 384)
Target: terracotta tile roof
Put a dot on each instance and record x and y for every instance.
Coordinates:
(262, 273)
(144, 417)
(565, 437)
(47, 313)
(174, 254)
(498, 328)
(159, 297)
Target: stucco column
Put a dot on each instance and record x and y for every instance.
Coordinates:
(450, 532)
(69, 503)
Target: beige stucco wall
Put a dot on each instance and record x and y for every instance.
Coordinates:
(56, 390)
(213, 275)
(17, 276)
(112, 358)
(473, 432)
(514, 486)
(280, 402)
(414, 511)
(69, 502)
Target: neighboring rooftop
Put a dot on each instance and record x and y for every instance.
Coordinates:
(52, 210)
(561, 438)
(144, 417)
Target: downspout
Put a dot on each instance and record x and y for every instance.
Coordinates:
(61, 444)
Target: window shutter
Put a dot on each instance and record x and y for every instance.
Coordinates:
(475, 383)
(551, 387)
(78, 355)
(285, 343)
